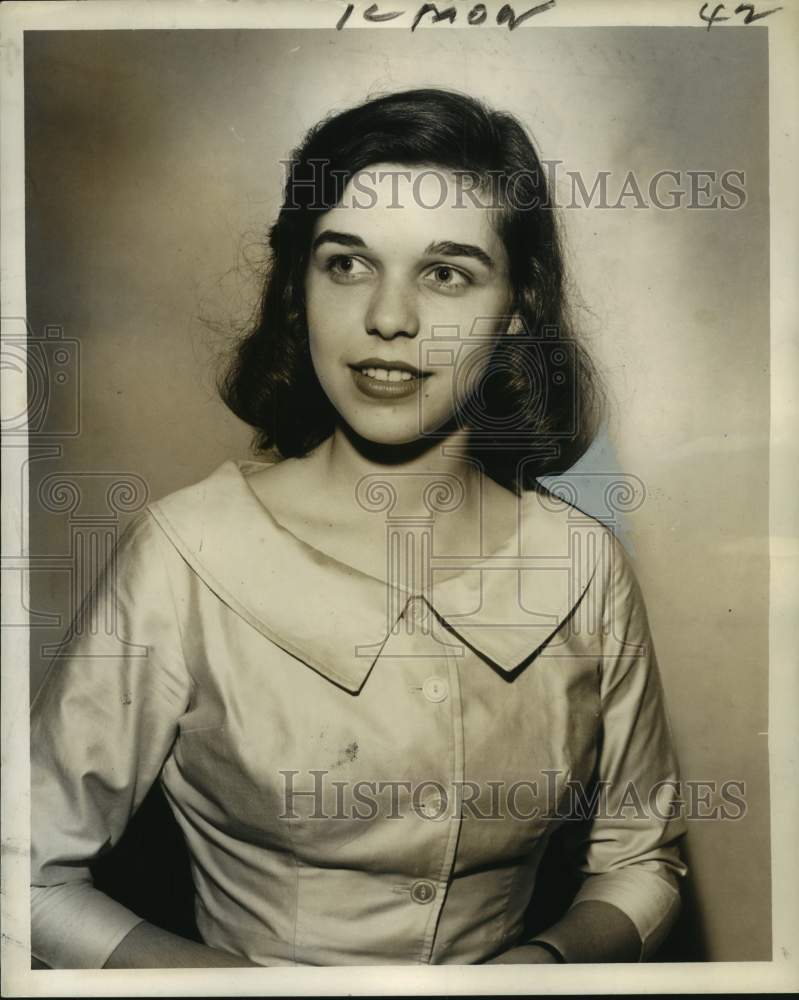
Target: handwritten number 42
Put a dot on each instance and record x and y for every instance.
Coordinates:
(747, 9)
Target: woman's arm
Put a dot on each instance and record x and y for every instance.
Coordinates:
(149, 947)
(103, 723)
(629, 856)
(591, 931)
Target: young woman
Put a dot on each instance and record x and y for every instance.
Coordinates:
(376, 676)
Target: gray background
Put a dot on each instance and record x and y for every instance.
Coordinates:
(151, 162)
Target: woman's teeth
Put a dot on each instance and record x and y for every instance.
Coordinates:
(384, 375)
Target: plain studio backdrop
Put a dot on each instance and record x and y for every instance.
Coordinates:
(152, 163)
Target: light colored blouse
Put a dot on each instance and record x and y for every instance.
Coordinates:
(363, 775)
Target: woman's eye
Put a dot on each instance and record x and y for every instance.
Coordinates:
(346, 268)
(448, 278)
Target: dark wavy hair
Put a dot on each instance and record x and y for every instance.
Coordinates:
(537, 411)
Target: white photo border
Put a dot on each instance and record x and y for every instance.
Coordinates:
(779, 975)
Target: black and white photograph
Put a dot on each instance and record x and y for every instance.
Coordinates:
(399, 497)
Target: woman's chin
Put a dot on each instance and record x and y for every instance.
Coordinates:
(372, 437)
(390, 443)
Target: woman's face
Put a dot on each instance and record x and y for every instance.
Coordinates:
(404, 300)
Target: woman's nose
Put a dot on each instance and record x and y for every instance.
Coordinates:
(392, 310)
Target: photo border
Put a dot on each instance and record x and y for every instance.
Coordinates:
(781, 974)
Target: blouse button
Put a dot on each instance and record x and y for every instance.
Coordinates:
(423, 891)
(435, 689)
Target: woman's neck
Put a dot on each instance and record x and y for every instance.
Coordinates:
(405, 476)
(349, 501)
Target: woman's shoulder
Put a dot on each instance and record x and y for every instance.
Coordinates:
(224, 524)
(560, 535)
(556, 512)
(224, 491)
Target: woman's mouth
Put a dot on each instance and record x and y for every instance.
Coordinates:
(389, 380)
(387, 374)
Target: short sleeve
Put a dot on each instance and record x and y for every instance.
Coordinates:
(102, 725)
(630, 854)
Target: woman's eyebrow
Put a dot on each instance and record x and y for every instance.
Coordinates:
(441, 248)
(331, 236)
(445, 248)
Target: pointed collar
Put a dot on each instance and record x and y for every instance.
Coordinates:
(334, 617)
